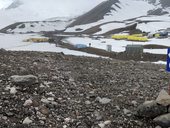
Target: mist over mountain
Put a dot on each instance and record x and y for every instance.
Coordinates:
(82, 11)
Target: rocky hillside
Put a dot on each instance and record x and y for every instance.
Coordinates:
(49, 90)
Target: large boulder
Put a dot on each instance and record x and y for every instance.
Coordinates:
(24, 80)
(150, 109)
(163, 120)
(163, 98)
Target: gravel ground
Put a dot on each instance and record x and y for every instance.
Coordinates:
(76, 92)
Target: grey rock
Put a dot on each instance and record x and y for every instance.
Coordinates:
(27, 121)
(158, 127)
(87, 102)
(98, 115)
(150, 110)
(24, 80)
(4, 118)
(163, 120)
(9, 114)
(127, 112)
(103, 100)
(163, 98)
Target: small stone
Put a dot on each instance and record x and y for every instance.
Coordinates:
(117, 107)
(13, 90)
(127, 112)
(44, 110)
(28, 102)
(64, 126)
(9, 114)
(158, 127)
(98, 115)
(107, 122)
(51, 94)
(35, 103)
(45, 100)
(103, 100)
(60, 98)
(67, 120)
(50, 99)
(87, 102)
(42, 86)
(42, 122)
(4, 118)
(27, 121)
(120, 95)
(134, 102)
(101, 125)
(139, 123)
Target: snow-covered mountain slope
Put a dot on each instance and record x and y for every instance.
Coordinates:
(120, 11)
(36, 26)
(104, 15)
(36, 10)
(123, 13)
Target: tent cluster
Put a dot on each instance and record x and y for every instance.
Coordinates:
(134, 37)
(37, 40)
(158, 35)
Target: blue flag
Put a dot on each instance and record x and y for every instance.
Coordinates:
(168, 61)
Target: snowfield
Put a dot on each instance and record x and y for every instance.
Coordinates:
(15, 42)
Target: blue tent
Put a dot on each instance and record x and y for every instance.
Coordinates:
(80, 46)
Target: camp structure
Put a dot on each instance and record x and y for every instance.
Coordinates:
(119, 37)
(37, 40)
(134, 49)
(134, 37)
(80, 46)
(163, 34)
(139, 39)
